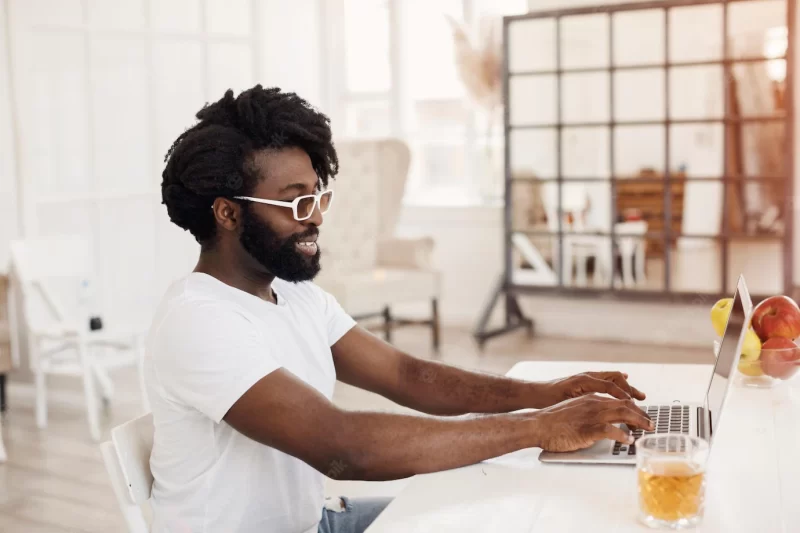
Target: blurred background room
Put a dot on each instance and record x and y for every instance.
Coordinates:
(568, 183)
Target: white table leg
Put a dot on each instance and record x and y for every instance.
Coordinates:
(604, 263)
(568, 257)
(627, 249)
(639, 255)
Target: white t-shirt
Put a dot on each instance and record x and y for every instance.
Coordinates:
(208, 344)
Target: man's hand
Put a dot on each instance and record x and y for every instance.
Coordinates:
(580, 422)
(612, 383)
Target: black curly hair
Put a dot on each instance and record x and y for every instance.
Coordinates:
(214, 158)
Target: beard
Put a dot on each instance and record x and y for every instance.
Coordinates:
(278, 256)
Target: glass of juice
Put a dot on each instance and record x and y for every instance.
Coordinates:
(671, 475)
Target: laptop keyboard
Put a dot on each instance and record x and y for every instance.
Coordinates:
(667, 419)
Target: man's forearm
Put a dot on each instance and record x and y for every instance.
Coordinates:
(441, 389)
(382, 446)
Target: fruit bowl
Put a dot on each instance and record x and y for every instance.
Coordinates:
(773, 366)
(769, 355)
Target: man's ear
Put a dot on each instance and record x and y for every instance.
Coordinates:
(227, 213)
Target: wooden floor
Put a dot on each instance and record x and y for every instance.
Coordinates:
(54, 480)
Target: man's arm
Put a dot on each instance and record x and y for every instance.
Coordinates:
(365, 361)
(283, 412)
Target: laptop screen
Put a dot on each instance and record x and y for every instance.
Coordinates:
(728, 353)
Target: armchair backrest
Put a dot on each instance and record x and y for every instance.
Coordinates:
(394, 158)
(369, 193)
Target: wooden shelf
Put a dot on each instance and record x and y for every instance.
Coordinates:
(647, 197)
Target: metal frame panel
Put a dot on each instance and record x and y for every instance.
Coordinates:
(514, 316)
(726, 235)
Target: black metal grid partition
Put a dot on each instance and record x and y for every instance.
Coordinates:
(729, 119)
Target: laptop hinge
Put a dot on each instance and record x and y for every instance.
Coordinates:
(704, 428)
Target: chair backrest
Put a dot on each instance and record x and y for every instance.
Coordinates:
(394, 158)
(598, 217)
(42, 258)
(131, 512)
(48, 272)
(133, 442)
(127, 460)
(573, 198)
(369, 194)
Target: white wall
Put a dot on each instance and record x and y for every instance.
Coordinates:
(468, 251)
(9, 227)
(290, 42)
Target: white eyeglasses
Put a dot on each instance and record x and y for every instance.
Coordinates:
(302, 206)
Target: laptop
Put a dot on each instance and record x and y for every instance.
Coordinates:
(678, 417)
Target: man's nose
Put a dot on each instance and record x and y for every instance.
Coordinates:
(316, 216)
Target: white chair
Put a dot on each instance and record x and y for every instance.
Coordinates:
(45, 273)
(630, 238)
(573, 201)
(590, 205)
(127, 460)
(365, 265)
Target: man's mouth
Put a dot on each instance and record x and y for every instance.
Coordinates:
(308, 246)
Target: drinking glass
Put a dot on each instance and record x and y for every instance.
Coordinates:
(671, 474)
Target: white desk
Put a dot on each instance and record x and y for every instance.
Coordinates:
(753, 473)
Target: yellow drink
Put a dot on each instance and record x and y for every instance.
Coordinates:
(671, 490)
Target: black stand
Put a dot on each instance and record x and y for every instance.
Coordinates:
(515, 318)
(2, 393)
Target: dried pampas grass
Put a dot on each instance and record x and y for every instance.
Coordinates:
(480, 67)
(480, 64)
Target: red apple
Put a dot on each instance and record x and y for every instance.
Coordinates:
(780, 358)
(777, 316)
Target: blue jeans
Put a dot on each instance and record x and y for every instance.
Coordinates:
(355, 516)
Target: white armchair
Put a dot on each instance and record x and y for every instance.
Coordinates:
(365, 266)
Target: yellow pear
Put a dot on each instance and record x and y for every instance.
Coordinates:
(751, 351)
(720, 313)
(750, 369)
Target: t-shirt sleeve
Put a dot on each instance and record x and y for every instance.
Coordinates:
(208, 355)
(337, 320)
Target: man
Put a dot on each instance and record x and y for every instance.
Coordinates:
(244, 352)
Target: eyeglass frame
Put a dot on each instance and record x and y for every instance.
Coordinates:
(295, 203)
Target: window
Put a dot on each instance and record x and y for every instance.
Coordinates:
(367, 69)
(401, 78)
